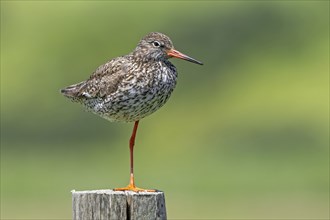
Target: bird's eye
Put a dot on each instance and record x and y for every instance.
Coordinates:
(156, 44)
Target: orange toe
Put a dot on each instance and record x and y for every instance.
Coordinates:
(134, 189)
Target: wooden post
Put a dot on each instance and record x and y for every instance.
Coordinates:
(109, 204)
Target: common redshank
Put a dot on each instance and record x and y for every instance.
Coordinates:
(131, 87)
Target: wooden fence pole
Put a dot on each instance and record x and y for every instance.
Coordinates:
(109, 204)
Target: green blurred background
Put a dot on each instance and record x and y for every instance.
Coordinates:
(244, 136)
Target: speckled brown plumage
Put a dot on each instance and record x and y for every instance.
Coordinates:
(130, 87)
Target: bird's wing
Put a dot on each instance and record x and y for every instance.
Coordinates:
(103, 81)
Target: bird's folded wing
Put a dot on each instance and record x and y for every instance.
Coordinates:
(104, 81)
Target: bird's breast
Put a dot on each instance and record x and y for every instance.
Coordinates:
(156, 77)
(141, 93)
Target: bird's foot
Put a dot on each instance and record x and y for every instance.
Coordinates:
(133, 188)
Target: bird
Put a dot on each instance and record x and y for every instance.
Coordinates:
(130, 87)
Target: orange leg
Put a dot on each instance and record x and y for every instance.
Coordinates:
(131, 186)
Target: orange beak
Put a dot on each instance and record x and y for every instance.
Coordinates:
(177, 54)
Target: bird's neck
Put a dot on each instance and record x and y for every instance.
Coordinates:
(138, 57)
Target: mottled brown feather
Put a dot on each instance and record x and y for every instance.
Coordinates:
(103, 81)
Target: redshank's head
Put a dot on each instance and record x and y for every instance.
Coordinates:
(158, 46)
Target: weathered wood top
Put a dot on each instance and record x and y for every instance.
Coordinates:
(109, 204)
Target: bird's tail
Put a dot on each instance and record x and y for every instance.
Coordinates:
(73, 91)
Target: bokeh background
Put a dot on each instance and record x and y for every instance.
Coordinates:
(244, 136)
